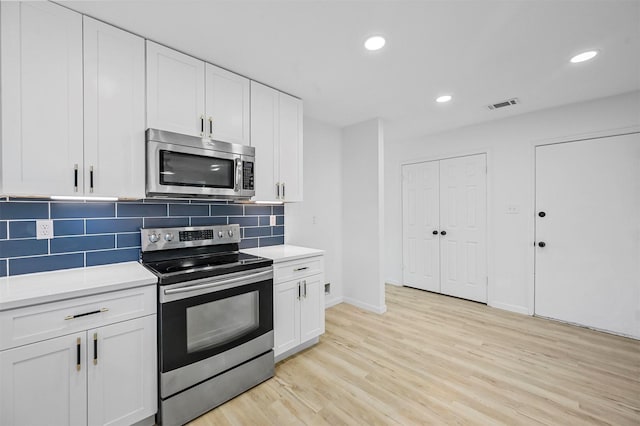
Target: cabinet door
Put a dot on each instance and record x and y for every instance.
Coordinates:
(114, 122)
(312, 308)
(264, 137)
(122, 372)
(175, 91)
(290, 147)
(286, 316)
(40, 383)
(41, 98)
(227, 106)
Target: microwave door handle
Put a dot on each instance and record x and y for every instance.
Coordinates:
(238, 179)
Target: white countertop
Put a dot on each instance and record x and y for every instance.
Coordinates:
(283, 253)
(32, 289)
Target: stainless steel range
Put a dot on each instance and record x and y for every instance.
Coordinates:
(215, 318)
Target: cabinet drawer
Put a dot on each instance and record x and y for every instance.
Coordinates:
(35, 323)
(297, 269)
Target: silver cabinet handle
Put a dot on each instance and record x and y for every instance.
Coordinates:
(202, 125)
(305, 288)
(283, 191)
(211, 127)
(299, 289)
(300, 269)
(70, 317)
(75, 178)
(217, 283)
(277, 190)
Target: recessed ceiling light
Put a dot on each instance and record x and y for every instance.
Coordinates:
(374, 43)
(443, 98)
(584, 56)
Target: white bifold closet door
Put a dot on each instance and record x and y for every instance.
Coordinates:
(587, 261)
(444, 226)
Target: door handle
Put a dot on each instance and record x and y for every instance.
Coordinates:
(305, 288)
(299, 295)
(542, 244)
(202, 125)
(542, 214)
(283, 190)
(435, 232)
(211, 127)
(278, 190)
(443, 232)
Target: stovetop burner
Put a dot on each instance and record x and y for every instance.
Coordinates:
(211, 254)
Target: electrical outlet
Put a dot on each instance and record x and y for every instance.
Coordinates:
(327, 288)
(44, 229)
(272, 220)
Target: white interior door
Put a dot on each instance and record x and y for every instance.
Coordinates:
(421, 218)
(463, 226)
(588, 271)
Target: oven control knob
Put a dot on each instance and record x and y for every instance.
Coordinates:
(168, 237)
(220, 234)
(153, 238)
(231, 232)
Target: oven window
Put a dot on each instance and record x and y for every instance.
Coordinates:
(181, 169)
(219, 322)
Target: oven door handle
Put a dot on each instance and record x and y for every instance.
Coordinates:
(189, 289)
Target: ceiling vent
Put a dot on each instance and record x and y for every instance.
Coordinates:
(508, 102)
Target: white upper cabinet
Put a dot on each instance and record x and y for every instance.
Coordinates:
(185, 95)
(64, 134)
(175, 91)
(114, 102)
(290, 149)
(264, 138)
(227, 106)
(276, 134)
(41, 98)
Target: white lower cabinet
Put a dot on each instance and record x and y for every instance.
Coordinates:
(298, 304)
(105, 375)
(41, 384)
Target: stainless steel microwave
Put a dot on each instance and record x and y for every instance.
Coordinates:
(186, 166)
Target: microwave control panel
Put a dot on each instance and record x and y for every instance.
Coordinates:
(247, 175)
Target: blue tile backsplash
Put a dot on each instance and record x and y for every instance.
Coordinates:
(98, 233)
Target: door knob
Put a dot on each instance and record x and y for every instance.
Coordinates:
(542, 244)
(435, 232)
(443, 232)
(542, 214)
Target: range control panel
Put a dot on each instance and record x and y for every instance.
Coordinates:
(153, 239)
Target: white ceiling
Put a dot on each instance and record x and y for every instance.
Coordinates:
(480, 51)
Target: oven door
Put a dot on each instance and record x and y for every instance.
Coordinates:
(205, 318)
(193, 171)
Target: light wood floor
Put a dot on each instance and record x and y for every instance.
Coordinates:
(432, 359)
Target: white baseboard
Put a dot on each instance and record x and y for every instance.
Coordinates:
(508, 307)
(366, 306)
(333, 302)
(397, 284)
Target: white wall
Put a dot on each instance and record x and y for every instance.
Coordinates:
(363, 214)
(510, 157)
(322, 194)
